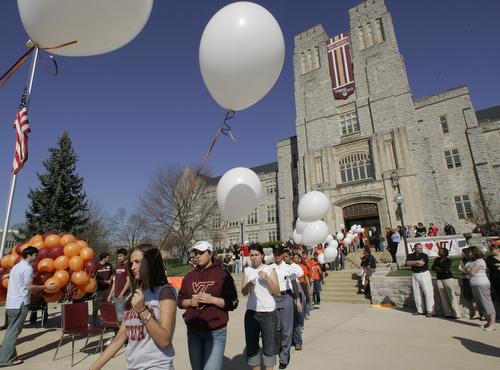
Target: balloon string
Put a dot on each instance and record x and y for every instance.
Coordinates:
(32, 46)
(225, 130)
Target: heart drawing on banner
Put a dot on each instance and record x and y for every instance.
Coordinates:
(429, 246)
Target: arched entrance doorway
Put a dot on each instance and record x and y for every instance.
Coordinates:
(364, 214)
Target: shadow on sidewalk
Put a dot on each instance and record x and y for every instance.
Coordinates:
(27, 338)
(238, 362)
(478, 347)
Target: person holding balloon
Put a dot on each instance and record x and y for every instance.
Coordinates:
(18, 298)
(149, 321)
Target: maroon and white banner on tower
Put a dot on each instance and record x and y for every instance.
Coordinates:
(339, 60)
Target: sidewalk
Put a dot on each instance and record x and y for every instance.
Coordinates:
(338, 336)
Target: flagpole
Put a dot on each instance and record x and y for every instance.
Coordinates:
(29, 86)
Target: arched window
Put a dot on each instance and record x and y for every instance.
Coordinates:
(355, 167)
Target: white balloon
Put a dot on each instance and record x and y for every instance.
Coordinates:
(269, 259)
(297, 237)
(361, 230)
(313, 206)
(98, 26)
(333, 244)
(354, 227)
(329, 239)
(342, 226)
(238, 193)
(321, 258)
(330, 254)
(340, 236)
(315, 233)
(300, 225)
(242, 50)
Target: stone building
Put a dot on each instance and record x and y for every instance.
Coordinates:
(362, 138)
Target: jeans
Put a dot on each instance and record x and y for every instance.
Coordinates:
(16, 319)
(206, 348)
(285, 308)
(316, 289)
(263, 324)
(119, 308)
(298, 321)
(238, 266)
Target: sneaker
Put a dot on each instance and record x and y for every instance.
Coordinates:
(429, 315)
(489, 328)
(298, 347)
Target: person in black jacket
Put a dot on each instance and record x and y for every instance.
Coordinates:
(446, 284)
(449, 229)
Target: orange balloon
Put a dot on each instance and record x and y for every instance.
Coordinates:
(52, 240)
(36, 238)
(53, 297)
(79, 293)
(46, 265)
(76, 263)
(11, 260)
(63, 276)
(23, 247)
(91, 286)
(72, 249)
(38, 244)
(5, 283)
(82, 243)
(66, 239)
(87, 253)
(53, 280)
(80, 278)
(4, 262)
(61, 263)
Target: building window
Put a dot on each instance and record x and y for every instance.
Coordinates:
(355, 167)
(309, 60)
(380, 30)
(253, 236)
(272, 236)
(464, 208)
(270, 188)
(252, 217)
(452, 158)
(233, 223)
(303, 63)
(271, 213)
(369, 35)
(349, 123)
(316, 57)
(361, 36)
(234, 238)
(444, 124)
(216, 222)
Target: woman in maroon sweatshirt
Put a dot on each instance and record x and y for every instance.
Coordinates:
(207, 293)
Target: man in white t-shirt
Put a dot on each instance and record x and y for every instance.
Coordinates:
(287, 279)
(16, 307)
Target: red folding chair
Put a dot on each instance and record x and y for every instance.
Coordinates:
(108, 319)
(75, 322)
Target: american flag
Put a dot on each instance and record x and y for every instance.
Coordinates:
(22, 127)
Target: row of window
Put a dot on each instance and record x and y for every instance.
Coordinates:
(252, 218)
(368, 36)
(252, 236)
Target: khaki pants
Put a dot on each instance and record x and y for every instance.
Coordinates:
(423, 281)
(448, 298)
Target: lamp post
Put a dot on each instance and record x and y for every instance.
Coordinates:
(241, 229)
(398, 199)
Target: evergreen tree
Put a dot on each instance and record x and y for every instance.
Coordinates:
(60, 203)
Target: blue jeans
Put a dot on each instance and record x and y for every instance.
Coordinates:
(119, 308)
(298, 321)
(16, 318)
(265, 325)
(206, 348)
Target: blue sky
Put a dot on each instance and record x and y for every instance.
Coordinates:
(145, 105)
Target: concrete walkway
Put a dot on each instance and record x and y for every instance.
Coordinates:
(338, 336)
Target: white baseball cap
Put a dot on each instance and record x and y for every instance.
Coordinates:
(202, 246)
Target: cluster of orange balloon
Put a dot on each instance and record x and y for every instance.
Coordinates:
(63, 261)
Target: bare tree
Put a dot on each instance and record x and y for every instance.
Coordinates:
(484, 215)
(98, 229)
(129, 228)
(175, 204)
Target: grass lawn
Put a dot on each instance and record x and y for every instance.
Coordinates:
(405, 271)
(176, 268)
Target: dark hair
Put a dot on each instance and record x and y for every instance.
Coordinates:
(122, 251)
(475, 253)
(103, 255)
(157, 276)
(445, 251)
(256, 247)
(29, 251)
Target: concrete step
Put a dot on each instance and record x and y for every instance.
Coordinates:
(346, 300)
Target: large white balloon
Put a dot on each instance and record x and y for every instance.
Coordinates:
(313, 206)
(330, 254)
(340, 236)
(297, 237)
(238, 193)
(98, 26)
(315, 233)
(321, 258)
(241, 54)
(334, 244)
(300, 225)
